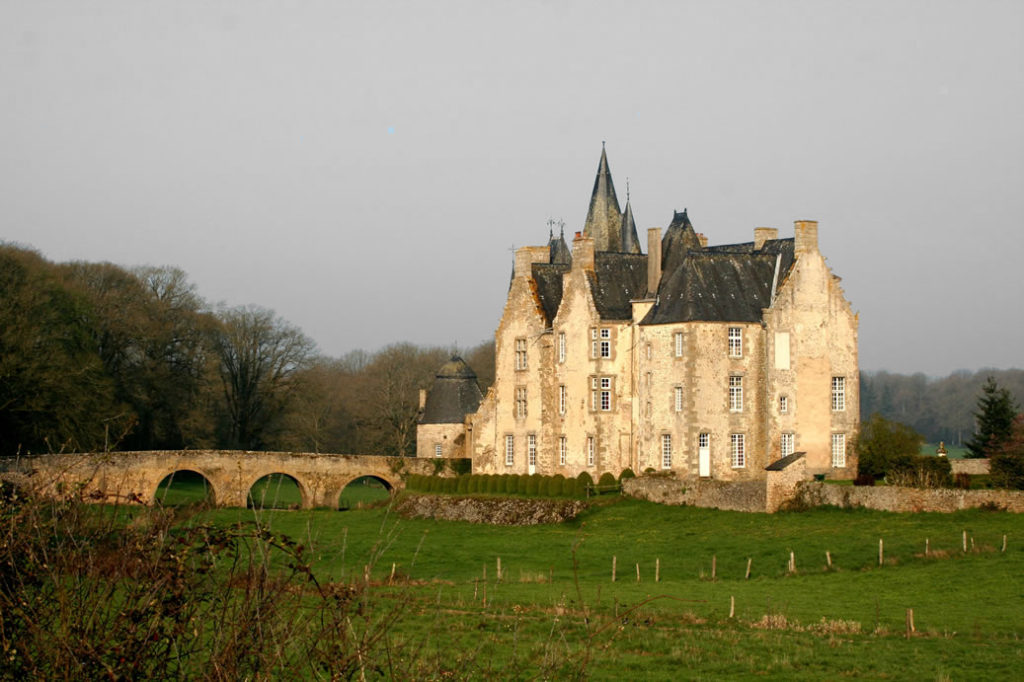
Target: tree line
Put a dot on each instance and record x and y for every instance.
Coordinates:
(97, 357)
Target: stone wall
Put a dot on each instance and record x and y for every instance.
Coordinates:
(748, 496)
(499, 511)
(974, 467)
(897, 499)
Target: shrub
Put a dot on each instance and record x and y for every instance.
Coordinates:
(531, 485)
(583, 482)
(474, 483)
(556, 488)
(884, 445)
(512, 484)
(505, 483)
(864, 479)
(962, 480)
(626, 473)
(460, 466)
(607, 482)
(921, 471)
(569, 487)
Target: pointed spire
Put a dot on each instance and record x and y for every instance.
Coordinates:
(680, 238)
(630, 240)
(558, 250)
(604, 219)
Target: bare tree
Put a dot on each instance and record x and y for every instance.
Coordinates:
(259, 355)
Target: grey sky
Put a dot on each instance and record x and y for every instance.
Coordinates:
(364, 168)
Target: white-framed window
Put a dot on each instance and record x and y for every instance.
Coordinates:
(606, 343)
(520, 354)
(666, 451)
(678, 338)
(738, 449)
(520, 402)
(437, 449)
(593, 343)
(735, 342)
(562, 399)
(563, 450)
(561, 347)
(510, 450)
(735, 393)
(531, 449)
(601, 394)
(677, 393)
(783, 404)
(838, 394)
(786, 444)
(704, 440)
(839, 450)
(590, 451)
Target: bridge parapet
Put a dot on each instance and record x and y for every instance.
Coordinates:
(133, 477)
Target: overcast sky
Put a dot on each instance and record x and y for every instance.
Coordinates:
(364, 169)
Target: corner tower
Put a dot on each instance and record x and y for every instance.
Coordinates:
(604, 218)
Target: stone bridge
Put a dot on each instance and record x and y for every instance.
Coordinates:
(134, 477)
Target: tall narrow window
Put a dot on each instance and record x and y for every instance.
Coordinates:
(703, 440)
(531, 450)
(666, 451)
(510, 450)
(593, 342)
(786, 445)
(735, 342)
(678, 344)
(735, 394)
(606, 343)
(563, 450)
(838, 394)
(562, 399)
(520, 402)
(783, 404)
(678, 398)
(601, 394)
(520, 354)
(839, 450)
(437, 450)
(739, 450)
(606, 394)
(590, 451)
(561, 346)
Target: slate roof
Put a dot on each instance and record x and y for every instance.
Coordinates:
(558, 250)
(630, 242)
(618, 279)
(455, 394)
(548, 278)
(781, 464)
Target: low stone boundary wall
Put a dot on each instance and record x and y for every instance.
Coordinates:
(974, 467)
(498, 511)
(747, 496)
(897, 499)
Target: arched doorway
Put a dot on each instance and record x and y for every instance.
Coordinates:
(276, 491)
(365, 491)
(184, 487)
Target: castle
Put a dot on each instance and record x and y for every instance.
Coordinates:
(707, 361)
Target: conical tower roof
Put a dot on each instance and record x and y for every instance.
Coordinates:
(604, 219)
(630, 241)
(558, 250)
(455, 394)
(680, 238)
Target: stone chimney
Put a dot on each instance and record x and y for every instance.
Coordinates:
(526, 256)
(764, 234)
(582, 252)
(703, 239)
(653, 259)
(806, 236)
(423, 399)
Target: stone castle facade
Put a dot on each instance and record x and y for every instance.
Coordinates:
(708, 361)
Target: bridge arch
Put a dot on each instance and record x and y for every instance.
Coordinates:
(277, 490)
(192, 478)
(363, 489)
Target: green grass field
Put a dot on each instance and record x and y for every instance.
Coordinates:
(556, 608)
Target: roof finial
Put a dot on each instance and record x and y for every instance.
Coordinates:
(602, 145)
(627, 189)
(561, 228)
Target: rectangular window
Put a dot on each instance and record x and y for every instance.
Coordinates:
(838, 394)
(735, 394)
(520, 354)
(601, 394)
(531, 450)
(563, 450)
(782, 350)
(678, 390)
(520, 402)
(593, 342)
(783, 404)
(606, 343)
(703, 440)
(739, 450)
(839, 450)
(510, 450)
(735, 342)
(786, 445)
(562, 399)
(606, 394)
(437, 450)
(590, 451)
(561, 346)
(666, 451)
(679, 344)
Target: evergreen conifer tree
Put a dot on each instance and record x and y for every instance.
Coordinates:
(994, 418)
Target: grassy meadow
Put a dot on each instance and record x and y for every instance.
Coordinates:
(364, 594)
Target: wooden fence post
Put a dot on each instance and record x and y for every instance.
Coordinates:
(732, 606)
(749, 561)
(910, 622)
(657, 568)
(828, 558)
(881, 552)
(614, 559)
(714, 566)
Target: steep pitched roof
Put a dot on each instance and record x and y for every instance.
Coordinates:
(617, 279)
(680, 238)
(454, 394)
(630, 242)
(604, 219)
(558, 250)
(548, 279)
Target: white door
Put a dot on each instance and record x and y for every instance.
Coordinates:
(704, 455)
